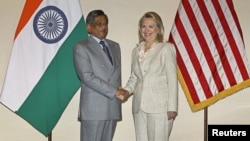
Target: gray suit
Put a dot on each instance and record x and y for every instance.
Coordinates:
(99, 80)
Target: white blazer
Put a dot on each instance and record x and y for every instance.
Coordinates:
(154, 83)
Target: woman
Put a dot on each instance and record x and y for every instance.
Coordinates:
(153, 81)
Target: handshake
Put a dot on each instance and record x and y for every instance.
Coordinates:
(122, 94)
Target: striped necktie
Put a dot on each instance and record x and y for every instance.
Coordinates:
(105, 49)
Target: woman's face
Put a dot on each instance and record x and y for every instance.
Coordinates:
(149, 30)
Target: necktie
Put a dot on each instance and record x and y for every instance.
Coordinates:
(105, 49)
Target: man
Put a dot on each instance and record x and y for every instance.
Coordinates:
(100, 76)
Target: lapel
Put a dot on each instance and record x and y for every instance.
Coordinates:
(96, 46)
(111, 52)
(152, 54)
(137, 67)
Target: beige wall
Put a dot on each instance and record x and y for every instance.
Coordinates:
(124, 16)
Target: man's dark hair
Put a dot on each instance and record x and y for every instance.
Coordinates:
(95, 13)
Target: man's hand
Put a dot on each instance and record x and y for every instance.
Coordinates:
(122, 94)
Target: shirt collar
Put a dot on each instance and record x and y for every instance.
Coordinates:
(98, 40)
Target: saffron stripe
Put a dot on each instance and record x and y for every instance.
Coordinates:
(29, 8)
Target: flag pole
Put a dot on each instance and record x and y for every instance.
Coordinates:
(50, 136)
(205, 124)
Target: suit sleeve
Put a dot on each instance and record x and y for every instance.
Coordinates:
(172, 78)
(130, 85)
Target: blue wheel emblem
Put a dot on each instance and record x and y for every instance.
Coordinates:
(50, 24)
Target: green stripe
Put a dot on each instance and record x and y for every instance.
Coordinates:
(49, 98)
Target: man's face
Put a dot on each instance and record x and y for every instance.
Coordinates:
(99, 28)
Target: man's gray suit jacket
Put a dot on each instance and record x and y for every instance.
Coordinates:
(99, 80)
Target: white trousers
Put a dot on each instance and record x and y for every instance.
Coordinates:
(152, 126)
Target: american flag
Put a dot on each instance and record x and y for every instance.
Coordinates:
(211, 56)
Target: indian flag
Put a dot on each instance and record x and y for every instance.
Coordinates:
(40, 79)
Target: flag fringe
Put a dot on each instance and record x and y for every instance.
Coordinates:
(201, 105)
